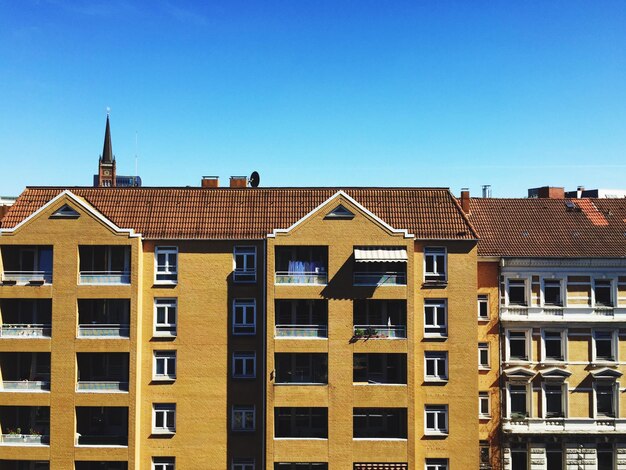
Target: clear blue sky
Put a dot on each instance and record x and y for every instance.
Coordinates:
(515, 94)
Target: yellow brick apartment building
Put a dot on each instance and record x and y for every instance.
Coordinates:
(241, 328)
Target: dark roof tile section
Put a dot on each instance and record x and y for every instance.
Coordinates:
(224, 213)
(548, 228)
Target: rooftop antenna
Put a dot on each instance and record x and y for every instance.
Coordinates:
(108, 111)
(254, 179)
(136, 159)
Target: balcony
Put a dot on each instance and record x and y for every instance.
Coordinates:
(24, 425)
(379, 423)
(379, 369)
(25, 372)
(103, 318)
(102, 372)
(301, 368)
(101, 426)
(25, 318)
(564, 425)
(302, 265)
(104, 265)
(379, 319)
(101, 465)
(26, 265)
(24, 465)
(380, 266)
(300, 423)
(558, 314)
(306, 319)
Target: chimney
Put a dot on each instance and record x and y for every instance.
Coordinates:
(465, 200)
(486, 190)
(547, 192)
(210, 181)
(238, 181)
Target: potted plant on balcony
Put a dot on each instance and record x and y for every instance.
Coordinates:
(34, 436)
(13, 435)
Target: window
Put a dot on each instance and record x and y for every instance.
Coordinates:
(483, 307)
(244, 313)
(519, 459)
(244, 365)
(553, 345)
(517, 292)
(165, 317)
(243, 464)
(165, 265)
(554, 458)
(436, 464)
(605, 458)
(604, 346)
(483, 356)
(554, 397)
(552, 292)
(163, 418)
(518, 345)
(605, 399)
(435, 318)
(245, 264)
(602, 292)
(483, 405)
(485, 454)
(243, 418)
(300, 422)
(379, 423)
(163, 463)
(164, 365)
(518, 401)
(434, 264)
(436, 366)
(436, 419)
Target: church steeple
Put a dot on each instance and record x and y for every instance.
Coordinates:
(107, 151)
(106, 162)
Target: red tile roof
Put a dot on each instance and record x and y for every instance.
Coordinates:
(590, 228)
(225, 213)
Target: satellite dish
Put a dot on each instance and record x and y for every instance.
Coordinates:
(254, 179)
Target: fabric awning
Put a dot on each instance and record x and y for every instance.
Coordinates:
(377, 254)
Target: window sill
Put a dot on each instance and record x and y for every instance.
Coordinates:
(436, 433)
(485, 368)
(163, 378)
(163, 432)
(165, 283)
(392, 439)
(164, 335)
(484, 417)
(434, 284)
(435, 336)
(433, 380)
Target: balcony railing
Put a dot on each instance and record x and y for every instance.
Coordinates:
(100, 330)
(95, 440)
(102, 386)
(25, 386)
(563, 425)
(24, 439)
(105, 277)
(547, 313)
(301, 331)
(23, 330)
(26, 277)
(380, 331)
(380, 279)
(311, 278)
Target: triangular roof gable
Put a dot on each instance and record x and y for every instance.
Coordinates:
(555, 373)
(606, 373)
(519, 372)
(69, 196)
(338, 196)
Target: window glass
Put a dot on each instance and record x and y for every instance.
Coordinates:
(517, 292)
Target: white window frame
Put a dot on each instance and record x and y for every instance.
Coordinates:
(245, 357)
(436, 464)
(562, 292)
(528, 387)
(436, 410)
(614, 346)
(169, 357)
(528, 334)
(616, 389)
(436, 356)
(164, 409)
(526, 291)
(437, 303)
(244, 304)
(484, 347)
(483, 299)
(163, 463)
(563, 334)
(564, 398)
(168, 329)
(245, 412)
(484, 397)
(435, 251)
(168, 270)
(242, 464)
(612, 289)
(248, 275)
